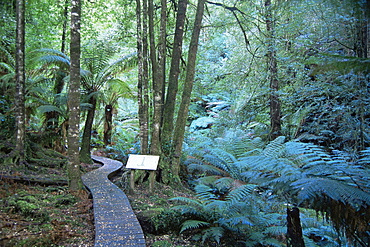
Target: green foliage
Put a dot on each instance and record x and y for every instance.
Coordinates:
(285, 172)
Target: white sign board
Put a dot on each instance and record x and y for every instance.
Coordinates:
(144, 162)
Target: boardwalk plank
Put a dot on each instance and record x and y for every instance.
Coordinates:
(115, 221)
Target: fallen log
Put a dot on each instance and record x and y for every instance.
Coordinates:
(34, 180)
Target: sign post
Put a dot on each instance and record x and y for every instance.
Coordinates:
(142, 162)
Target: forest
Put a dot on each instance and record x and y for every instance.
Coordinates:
(259, 111)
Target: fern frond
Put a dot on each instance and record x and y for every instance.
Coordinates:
(208, 180)
(275, 148)
(310, 188)
(215, 207)
(206, 169)
(189, 201)
(272, 242)
(7, 56)
(223, 155)
(275, 230)
(48, 108)
(235, 221)
(192, 224)
(188, 210)
(7, 67)
(215, 161)
(241, 192)
(204, 193)
(193, 160)
(224, 183)
(215, 233)
(365, 157)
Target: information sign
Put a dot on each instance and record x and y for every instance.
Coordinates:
(143, 162)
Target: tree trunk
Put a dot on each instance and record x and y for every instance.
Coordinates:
(188, 87)
(108, 123)
(64, 31)
(158, 74)
(142, 47)
(73, 167)
(20, 83)
(85, 155)
(275, 111)
(169, 106)
(294, 233)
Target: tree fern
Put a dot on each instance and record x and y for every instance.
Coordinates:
(303, 173)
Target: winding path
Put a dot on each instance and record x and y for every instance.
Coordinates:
(115, 222)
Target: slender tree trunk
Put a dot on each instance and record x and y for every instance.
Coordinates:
(108, 123)
(169, 106)
(157, 86)
(64, 31)
(294, 233)
(20, 83)
(142, 47)
(158, 73)
(85, 155)
(275, 111)
(73, 167)
(188, 87)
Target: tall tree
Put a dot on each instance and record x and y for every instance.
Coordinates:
(158, 60)
(186, 94)
(173, 78)
(142, 50)
(20, 82)
(73, 168)
(272, 70)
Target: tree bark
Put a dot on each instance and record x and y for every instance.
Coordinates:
(20, 83)
(188, 87)
(73, 167)
(142, 47)
(275, 106)
(158, 74)
(108, 123)
(173, 78)
(64, 31)
(85, 155)
(294, 233)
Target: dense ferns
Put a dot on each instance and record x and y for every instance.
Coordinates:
(243, 187)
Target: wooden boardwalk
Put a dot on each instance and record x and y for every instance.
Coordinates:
(115, 222)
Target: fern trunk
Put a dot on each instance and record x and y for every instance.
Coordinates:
(108, 124)
(85, 155)
(294, 233)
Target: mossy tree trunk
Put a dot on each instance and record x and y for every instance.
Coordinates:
(73, 167)
(173, 78)
(272, 70)
(186, 94)
(85, 155)
(20, 83)
(143, 84)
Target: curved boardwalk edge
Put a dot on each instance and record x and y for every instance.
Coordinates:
(115, 221)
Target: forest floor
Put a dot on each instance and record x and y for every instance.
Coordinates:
(48, 215)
